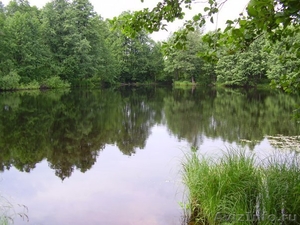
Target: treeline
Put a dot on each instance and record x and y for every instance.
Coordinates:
(208, 61)
(67, 43)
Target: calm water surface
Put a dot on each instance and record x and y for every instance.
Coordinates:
(114, 157)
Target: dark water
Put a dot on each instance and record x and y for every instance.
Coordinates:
(114, 157)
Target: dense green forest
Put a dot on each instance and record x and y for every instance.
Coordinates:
(66, 43)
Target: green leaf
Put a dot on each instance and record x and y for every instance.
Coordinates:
(242, 22)
(206, 9)
(229, 22)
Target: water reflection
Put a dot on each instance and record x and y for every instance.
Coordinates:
(141, 189)
(80, 134)
(69, 129)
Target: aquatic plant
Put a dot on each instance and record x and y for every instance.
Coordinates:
(237, 189)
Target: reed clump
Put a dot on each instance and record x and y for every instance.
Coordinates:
(238, 189)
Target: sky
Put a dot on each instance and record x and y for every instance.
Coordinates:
(111, 8)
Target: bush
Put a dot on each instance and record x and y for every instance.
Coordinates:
(55, 82)
(31, 85)
(10, 81)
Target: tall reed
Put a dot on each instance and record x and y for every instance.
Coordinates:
(219, 189)
(280, 189)
(234, 189)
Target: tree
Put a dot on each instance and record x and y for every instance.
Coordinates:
(273, 18)
(270, 16)
(73, 32)
(246, 68)
(283, 64)
(28, 54)
(3, 50)
(135, 55)
(186, 64)
(23, 56)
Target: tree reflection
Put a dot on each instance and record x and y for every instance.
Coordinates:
(70, 129)
(243, 117)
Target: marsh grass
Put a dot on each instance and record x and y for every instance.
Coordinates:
(280, 187)
(235, 189)
(9, 211)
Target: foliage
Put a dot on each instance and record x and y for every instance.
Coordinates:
(271, 16)
(10, 81)
(273, 19)
(186, 64)
(55, 82)
(246, 68)
(70, 40)
(139, 58)
(183, 83)
(284, 64)
(31, 85)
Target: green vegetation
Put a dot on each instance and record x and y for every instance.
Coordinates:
(67, 44)
(258, 47)
(237, 189)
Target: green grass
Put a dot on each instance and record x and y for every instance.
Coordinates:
(233, 189)
(280, 184)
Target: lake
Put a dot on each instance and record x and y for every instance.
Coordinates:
(113, 156)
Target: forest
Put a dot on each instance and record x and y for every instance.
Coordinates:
(67, 44)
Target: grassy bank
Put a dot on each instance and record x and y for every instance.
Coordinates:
(236, 189)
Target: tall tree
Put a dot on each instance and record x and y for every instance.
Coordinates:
(134, 55)
(186, 64)
(75, 34)
(247, 68)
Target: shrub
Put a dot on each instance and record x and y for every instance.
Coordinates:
(55, 82)
(31, 85)
(10, 81)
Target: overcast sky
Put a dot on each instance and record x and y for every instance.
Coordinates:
(111, 8)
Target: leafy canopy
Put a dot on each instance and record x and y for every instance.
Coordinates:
(270, 16)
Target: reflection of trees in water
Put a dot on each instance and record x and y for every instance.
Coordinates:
(234, 116)
(70, 129)
(137, 119)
